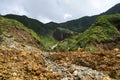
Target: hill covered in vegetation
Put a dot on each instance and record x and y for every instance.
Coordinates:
(104, 33)
(16, 31)
(81, 24)
(51, 33)
(25, 44)
(21, 58)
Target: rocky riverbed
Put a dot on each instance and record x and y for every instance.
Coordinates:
(37, 65)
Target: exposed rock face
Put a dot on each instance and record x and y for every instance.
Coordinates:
(61, 35)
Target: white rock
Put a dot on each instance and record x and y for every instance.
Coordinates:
(64, 78)
(75, 73)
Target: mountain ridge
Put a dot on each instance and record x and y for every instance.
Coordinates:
(105, 31)
(26, 50)
(79, 23)
(47, 31)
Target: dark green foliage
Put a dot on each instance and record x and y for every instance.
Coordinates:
(39, 29)
(45, 31)
(103, 30)
(33, 24)
(6, 25)
(82, 24)
(79, 25)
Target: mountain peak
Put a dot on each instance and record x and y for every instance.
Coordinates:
(114, 10)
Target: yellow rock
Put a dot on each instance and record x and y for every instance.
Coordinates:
(116, 49)
(106, 78)
(23, 53)
(42, 78)
(118, 55)
(3, 48)
(80, 49)
(92, 76)
(14, 78)
(65, 64)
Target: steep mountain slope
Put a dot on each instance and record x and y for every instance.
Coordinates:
(33, 24)
(52, 32)
(78, 25)
(115, 9)
(12, 30)
(22, 59)
(81, 24)
(104, 33)
(39, 28)
(20, 54)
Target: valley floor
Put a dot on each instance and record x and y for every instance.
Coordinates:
(37, 65)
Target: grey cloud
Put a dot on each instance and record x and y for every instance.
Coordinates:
(55, 10)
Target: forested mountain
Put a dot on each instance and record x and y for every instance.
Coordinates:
(78, 25)
(87, 48)
(103, 34)
(53, 32)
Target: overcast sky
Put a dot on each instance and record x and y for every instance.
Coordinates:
(55, 10)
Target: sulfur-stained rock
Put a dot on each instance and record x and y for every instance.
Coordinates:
(42, 78)
(23, 53)
(118, 55)
(14, 78)
(106, 78)
(87, 78)
(116, 49)
(80, 49)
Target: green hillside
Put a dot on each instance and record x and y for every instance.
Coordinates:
(51, 33)
(77, 25)
(82, 24)
(6, 25)
(39, 28)
(28, 22)
(106, 29)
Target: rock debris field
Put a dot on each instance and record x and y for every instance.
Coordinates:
(21, 64)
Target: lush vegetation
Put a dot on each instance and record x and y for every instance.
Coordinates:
(44, 40)
(44, 32)
(37, 29)
(103, 30)
(7, 23)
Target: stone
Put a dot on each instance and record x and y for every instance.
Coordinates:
(92, 76)
(106, 78)
(118, 55)
(23, 53)
(42, 78)
(64, 78)
(87, 78)
(75, 73)
(29, 68)
(14, 74)
(116, 49)
(80, 49)
(64, 64)
(15, 78)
